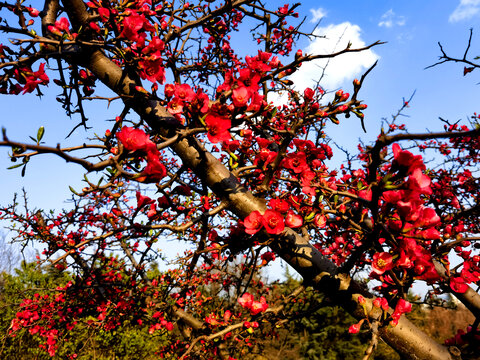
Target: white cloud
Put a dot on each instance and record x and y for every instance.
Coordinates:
(465, 10)
(339, 70)
(390, 19)
(317, 14)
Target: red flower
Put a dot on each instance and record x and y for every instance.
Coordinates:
(184, 92)
(227, 315)
(382, 262)
(403, 306)
(406, 208)
(458, 285)
(293, 220)
(279, 205)
(393, 196)
(201, 103)
(366, 194)
(273, 222)
(381, 303)
(308, 94)
(163, 202)
(152, 69)
(258, 306)
(419, 181)
(94, 26)
(169, 90)
(296, 162)
(135, 139)
(283, 10)
(155, 170)
(268, 256)
(104, 13)
(255, 307)
(253, 222)
(256, 102)
(320, 221)
(407, 159)
(155, 46)
(240, 96)
(246, 300)
(175, 106)
(152, 212)
(62, 24)
(308, 184)
(132, 24)
(404, 261)
(142, 200)
(426, 217)
(33, 79)
(217, 127)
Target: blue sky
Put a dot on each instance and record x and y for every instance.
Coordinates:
(410, 28)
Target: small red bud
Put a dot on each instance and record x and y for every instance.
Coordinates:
(419, 269)
(354, 329)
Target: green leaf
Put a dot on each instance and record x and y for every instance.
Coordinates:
(73, 190)
(40, 132)
(274, 112)
(14, 166)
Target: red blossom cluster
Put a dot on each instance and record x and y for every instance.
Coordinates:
(135, 28)
(401, 307)
(274, 219)
(40, 316)
(414, 223)
(61, 26)
(247, 301)
(161, 323)
(27, 80)
(137, 140)
(469, 339)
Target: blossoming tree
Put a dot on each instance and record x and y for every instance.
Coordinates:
(198, 153)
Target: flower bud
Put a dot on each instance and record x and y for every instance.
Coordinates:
(355, 328)
(298, 54)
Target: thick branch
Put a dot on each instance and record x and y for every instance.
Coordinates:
(470, 298)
